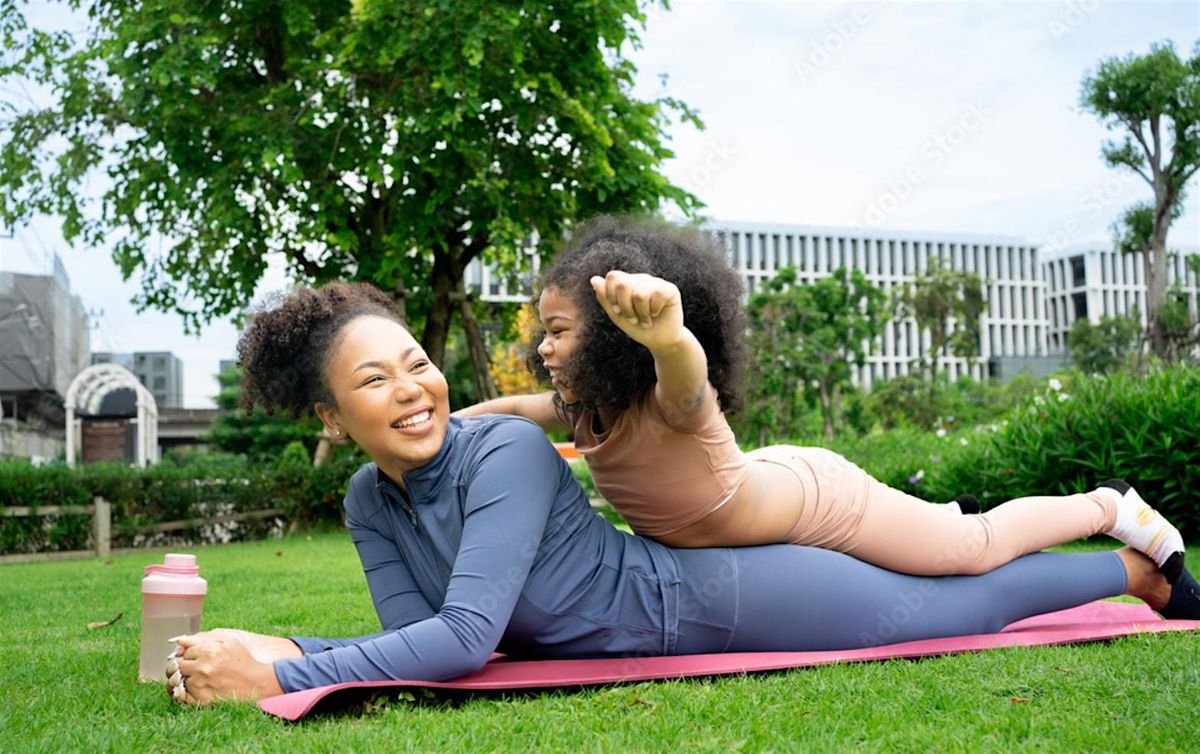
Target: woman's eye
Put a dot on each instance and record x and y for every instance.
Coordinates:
(419, 364)
(372, 378)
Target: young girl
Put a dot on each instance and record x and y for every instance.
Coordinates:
(643, 345)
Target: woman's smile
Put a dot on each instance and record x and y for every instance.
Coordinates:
(415, 422)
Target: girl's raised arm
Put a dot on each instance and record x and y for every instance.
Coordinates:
(650, 311)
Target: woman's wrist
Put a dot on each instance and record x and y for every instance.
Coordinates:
(267, 684)
(285, 649)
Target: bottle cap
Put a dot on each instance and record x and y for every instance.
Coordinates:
(177, 574)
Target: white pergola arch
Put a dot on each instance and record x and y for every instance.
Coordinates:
(87, 392)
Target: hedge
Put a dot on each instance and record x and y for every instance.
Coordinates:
(203, 487)
(1142, 427)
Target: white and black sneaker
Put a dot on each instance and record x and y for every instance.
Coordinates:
(1144, 529)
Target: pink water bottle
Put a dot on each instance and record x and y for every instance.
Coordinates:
(172, 599)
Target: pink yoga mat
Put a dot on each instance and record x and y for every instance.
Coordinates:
(1092, 622)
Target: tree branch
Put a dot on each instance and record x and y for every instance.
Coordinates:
(1184, 178)
(1136, 128)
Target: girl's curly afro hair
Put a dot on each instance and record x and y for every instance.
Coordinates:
(284, 351)
(609, 368)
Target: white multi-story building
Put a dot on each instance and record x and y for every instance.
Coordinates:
(1093, 280)
(1013, 327)
(1033, 295)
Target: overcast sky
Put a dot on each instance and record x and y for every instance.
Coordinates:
(947, 117)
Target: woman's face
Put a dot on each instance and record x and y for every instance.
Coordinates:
(562, 328)
(390, 397)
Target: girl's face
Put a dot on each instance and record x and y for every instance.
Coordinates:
(562, 329)
(390, 397)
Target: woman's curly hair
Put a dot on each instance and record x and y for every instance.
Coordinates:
(284, 351)
(608, 368)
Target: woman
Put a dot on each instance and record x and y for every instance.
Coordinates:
(643, 342)
(474, 537)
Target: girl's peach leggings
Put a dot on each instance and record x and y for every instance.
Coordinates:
(845, 509)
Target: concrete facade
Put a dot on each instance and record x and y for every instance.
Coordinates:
(1093, 281)
(43, 344)
(160, 371)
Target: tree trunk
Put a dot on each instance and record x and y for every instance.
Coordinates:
(485, 386)
(447, 279)
(1156, 279)
(323, 451)
(826, 411)
(400, 296)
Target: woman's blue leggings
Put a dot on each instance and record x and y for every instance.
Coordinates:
(792, 598)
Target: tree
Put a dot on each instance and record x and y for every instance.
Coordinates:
(1155, 100)
(948, 304)
(1178, 329)
(1104, 346)
(256, 435)
(1181, 317)
(805, 338)
(392, 142)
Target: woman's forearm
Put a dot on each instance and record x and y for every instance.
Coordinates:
(538, 408)
(508, 404)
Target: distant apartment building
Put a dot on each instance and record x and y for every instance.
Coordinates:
(1091, 281)
(160, 371)
(1013, 327)
(488, 285)
(43, 344)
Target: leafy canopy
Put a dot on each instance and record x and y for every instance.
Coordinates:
(1154, 100)
(1103, 347)
(949, 304)
(384, 141)
(805, 338)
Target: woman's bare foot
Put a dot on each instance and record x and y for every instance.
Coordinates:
(1145, 581)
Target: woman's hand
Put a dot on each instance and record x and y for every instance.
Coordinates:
(646, 308)
(262, 647)
(226, 664)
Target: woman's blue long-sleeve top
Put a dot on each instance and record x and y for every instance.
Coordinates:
(490, 546)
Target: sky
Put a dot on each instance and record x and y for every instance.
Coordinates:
(942, 117)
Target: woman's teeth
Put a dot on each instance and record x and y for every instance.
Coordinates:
(412, 421)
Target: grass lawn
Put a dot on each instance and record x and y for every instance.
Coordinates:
(66, 688)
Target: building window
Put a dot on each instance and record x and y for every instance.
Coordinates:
(1077, 276)
(160, 383)
(1080, 302)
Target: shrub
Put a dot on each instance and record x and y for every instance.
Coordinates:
(1143, 427)
(910, 401)
(193, 486)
